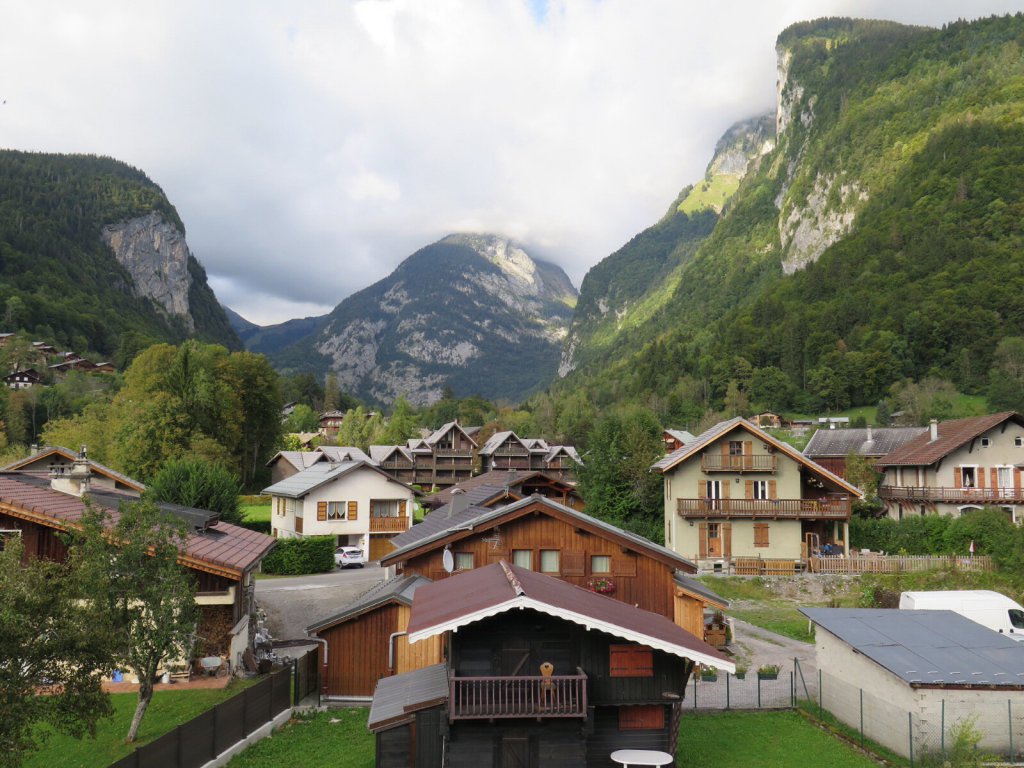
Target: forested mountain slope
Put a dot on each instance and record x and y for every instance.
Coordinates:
(879, 239)
(92, 252)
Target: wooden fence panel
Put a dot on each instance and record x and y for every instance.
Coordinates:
(230, 725)
(257, 706)
(897, 563)
(197, 740)
(161, 752)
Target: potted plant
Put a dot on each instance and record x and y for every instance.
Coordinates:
(741, 671)
(603, 585)
(708, 674)
(768, 672)
(716, 631)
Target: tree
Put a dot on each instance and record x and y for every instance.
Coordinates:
(1006, 377)
(198, 484)
(332, 393)
(402, 424)
(302, 419)
(48, 639)
(256, 413)
(144, 601)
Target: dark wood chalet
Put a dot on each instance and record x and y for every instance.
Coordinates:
(538, 672)
(440, 460)
(511, 485)
(541, 535)
(221, 557)
(507, 451)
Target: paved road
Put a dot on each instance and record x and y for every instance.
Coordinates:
(293, 603)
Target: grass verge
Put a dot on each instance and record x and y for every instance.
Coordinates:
(781, 739)
(256, 512)
(167, 710)
(337, 738)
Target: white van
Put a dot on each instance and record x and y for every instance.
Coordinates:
(988, 608)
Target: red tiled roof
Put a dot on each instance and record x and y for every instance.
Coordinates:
(474, 595)
(922, 450)
(222, 546)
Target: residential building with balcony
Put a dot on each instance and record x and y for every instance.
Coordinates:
(830, 448)
(507, 451)
(439, 460)
(284, 464)
(537, 671)
(354, 501)
(956, 466)
(735, 491)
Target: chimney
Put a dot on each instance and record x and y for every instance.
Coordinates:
(933, 428)
(458, 503)
(75, 481)
(870, 436)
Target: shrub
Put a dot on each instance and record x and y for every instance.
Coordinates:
(263, 526)
(296, 557)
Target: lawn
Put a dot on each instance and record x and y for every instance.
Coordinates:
(256, 512)
(778, 739)
(168, 709)
(337, 738)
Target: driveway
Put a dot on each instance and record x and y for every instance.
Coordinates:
(763, 647)
(293, 603)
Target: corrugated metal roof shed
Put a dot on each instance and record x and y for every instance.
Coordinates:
(927, 648)
(399, 697)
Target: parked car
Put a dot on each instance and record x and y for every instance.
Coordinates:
(345, 556)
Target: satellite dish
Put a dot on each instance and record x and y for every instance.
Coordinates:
(448, 561)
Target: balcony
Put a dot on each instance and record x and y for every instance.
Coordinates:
(464, 453)
(979, 496)
(389, 524)
(716, 462)
(796, 509)
(487, 698)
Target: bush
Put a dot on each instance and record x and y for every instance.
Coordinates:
(263, 526)
(296, 557)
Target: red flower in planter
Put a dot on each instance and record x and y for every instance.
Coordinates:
(601, 584)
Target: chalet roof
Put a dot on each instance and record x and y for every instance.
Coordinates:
(381, 453)
(922, 450)
(927, 648)
(68, 454)
(339, 453)
(680, 434)
(332, 415)
(568, 450)
(496, 478)
(298, 459)
(23, 372)
(694, 587)
(397, 698)
(321, 473)
(495, 440)
(842, 442)
(724, 427)
(441, 520)
(217, 547)
(474, 595)
(437, 434)
(465, 522)
(399, 589)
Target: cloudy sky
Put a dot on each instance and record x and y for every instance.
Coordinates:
(310, 146)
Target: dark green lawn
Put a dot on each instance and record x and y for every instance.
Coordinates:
(337, 738)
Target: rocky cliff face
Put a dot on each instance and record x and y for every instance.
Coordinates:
(472, 312)
(155, 254)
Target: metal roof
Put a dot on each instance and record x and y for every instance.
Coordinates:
(302, 483)
(700, 589)
(474, 595)
(922, 450)
(398, 589)
(442, 519)
(927, 648)
(468, 522)
(842, 442)
(398, 697)
(680, 434)
(339, 453)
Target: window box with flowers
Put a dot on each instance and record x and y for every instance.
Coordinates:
(603, 585)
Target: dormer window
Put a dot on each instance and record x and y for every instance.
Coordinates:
(985, 442)
(1018, 442)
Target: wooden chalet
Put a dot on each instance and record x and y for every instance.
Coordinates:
(367, 641)
(221, 557)
(675, 438)
(537, 671)
(56, 459)
(507, 451)
(539, 534)
(829, 448)
(23, 379)
(330, 422)
(442, 459)
(511, 485)
(284, 464)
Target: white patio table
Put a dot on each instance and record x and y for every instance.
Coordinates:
(628, 757)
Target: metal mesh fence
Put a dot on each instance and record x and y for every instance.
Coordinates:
(749, 692)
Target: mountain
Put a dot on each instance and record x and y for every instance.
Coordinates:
(878, 238)
(93, 257)
(473, 313)
(268, 339)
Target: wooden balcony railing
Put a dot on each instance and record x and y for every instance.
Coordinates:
(716, 462)
(955, 495)
(484, 698)
(465, 453)
(389, 524)
(776, 508)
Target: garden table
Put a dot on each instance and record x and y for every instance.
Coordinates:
(628, 757)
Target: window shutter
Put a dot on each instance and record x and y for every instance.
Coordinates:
(573, 564)
(748, 448)
(993, 478)
(980, 477)
(321, 510)
(726, 539)
(630, 661)
(761, 534)
(725, 488)
(1016, 482)
(749, 489)
(401, 508)
(702, 534)
(725, 448)
(702, 490)
(958, 477)
(624, 565)
(494, 557)
(642, 718)
(353, 510)
(772, 490)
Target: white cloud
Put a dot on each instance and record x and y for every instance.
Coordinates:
(311, 146)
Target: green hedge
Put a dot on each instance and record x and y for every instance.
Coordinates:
(263, 526)
(295, 557)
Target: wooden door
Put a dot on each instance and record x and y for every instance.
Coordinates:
(714, 540)
(379, 547)
(515, 752)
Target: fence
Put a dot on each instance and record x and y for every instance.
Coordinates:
(896, 563)
(307, 676)
(930, 728)
(202, 738)
(749, 692)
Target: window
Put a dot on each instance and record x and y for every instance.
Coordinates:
(549, 561)
(1016, 618)
(600, 563)
(761, 534)
(280, 505)
(384, 508)
(336, 510)
(630, 661)
(463, 561)
(646, 717)
(985, 442)
(967, 476)
(1018, 442)
(760, 489)
(735, 447)
(523, 558)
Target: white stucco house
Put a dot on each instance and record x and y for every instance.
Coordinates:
(353, 501)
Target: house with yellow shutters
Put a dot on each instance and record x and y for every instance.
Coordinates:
(354, 501)
(736, 494)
